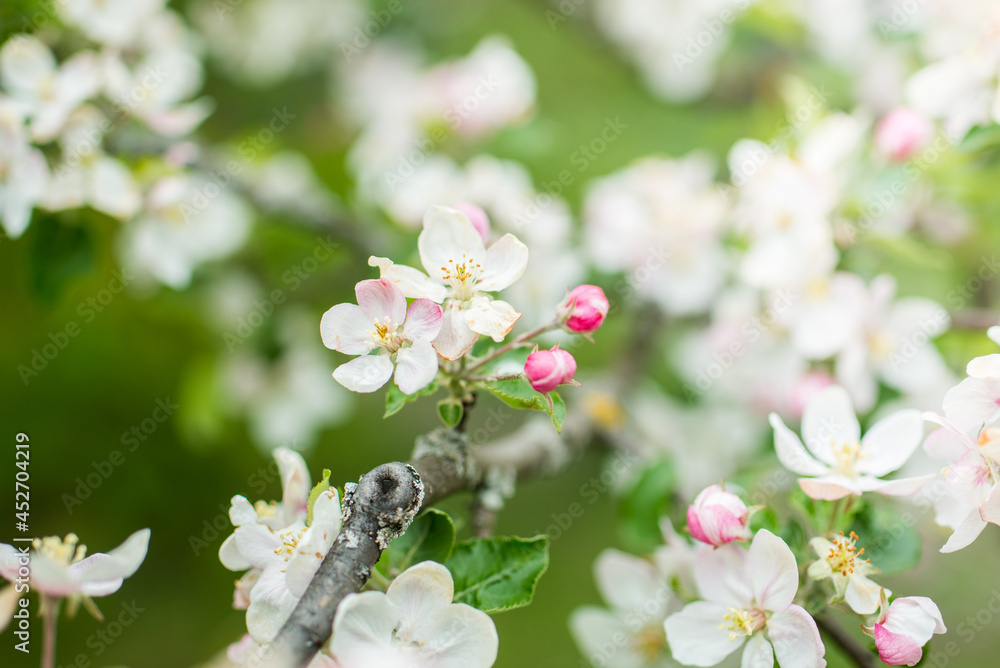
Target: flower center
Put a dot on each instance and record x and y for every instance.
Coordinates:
(289, 541)
(743, 622)
(265, 509)
(462, 276)
(386, 336)
(847, 456)
(844, 555)
(649, 642)
(65, 551)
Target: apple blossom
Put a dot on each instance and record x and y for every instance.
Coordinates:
(584, 309)
(748, 598)
(461, 271)
(477, 217)
(842, 562)
(281, 545)
(548, 369)
(903, 628)
(24, 172)
(414, 623)
(902, 132)
(381, 322)
(639, 599)
(717, 517)
(61, 569)
(838, 462)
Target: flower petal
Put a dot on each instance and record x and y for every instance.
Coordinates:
(418, 593)
(414, 283)
(773, 574)
(758, 653)
(362, 621)
(380, 299)
(721, 575)
(416, 367)
(829, 487)
(423, 321)
(890, 443)
(459, 636)
(229, 555)
(915, 616)
(455, 338)
(491, 317)
(900, 487)
(897, 649)
(863, 595)
(602, 634)
(631, 584)
(967, 532)
(697, 634)
(8, 604)
(448, 237)
(796, 639)
(113, 190)
(792, 453)
(295, 484)
(364, 374)
(120, 562)
(829, 419)
(347, 328)
(506, 261)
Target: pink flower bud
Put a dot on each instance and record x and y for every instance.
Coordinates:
(479, 219)
(718, 517)
(547, 369)
(902, 132)
(903, 629)
(584, 309)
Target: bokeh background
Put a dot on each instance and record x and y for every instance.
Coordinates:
(165, 345)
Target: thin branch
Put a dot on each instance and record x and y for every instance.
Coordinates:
(859, 654)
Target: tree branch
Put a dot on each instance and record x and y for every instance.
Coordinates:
(376, 510)
(860, 655)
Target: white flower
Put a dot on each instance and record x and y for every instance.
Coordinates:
(23, 170)
(461, 271)
(630, 634)
(414, 624)
(111, 22)
(188, 221)
(86, 175)
(279, 543)
(50, 92)
(841, 561)
(748, 599)
(61, 569)
(893, 344)
(381, 322)
(839, 462)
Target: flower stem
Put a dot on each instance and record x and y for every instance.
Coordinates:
(493, 379)
(858, 654)
(521, 340)
(50, 613)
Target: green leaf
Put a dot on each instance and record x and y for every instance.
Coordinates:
(518, 393)
(889, 540)
(395, 398)
(645, 502)
(322, 486)
(496, 574)
(451, 411)
(431, 537)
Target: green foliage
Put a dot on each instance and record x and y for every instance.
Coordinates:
(431, 537)
(496, 574)
(889, 538)
(518, 393)
(450, 411)
(648, 499)
(395, 398)
(60, 254)
(322, 486)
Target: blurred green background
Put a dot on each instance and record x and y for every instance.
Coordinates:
(141, 350)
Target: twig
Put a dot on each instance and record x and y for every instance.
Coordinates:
(859, 654)
(521, 340)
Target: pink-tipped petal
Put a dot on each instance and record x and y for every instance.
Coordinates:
(380, 299)
(347, 328)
